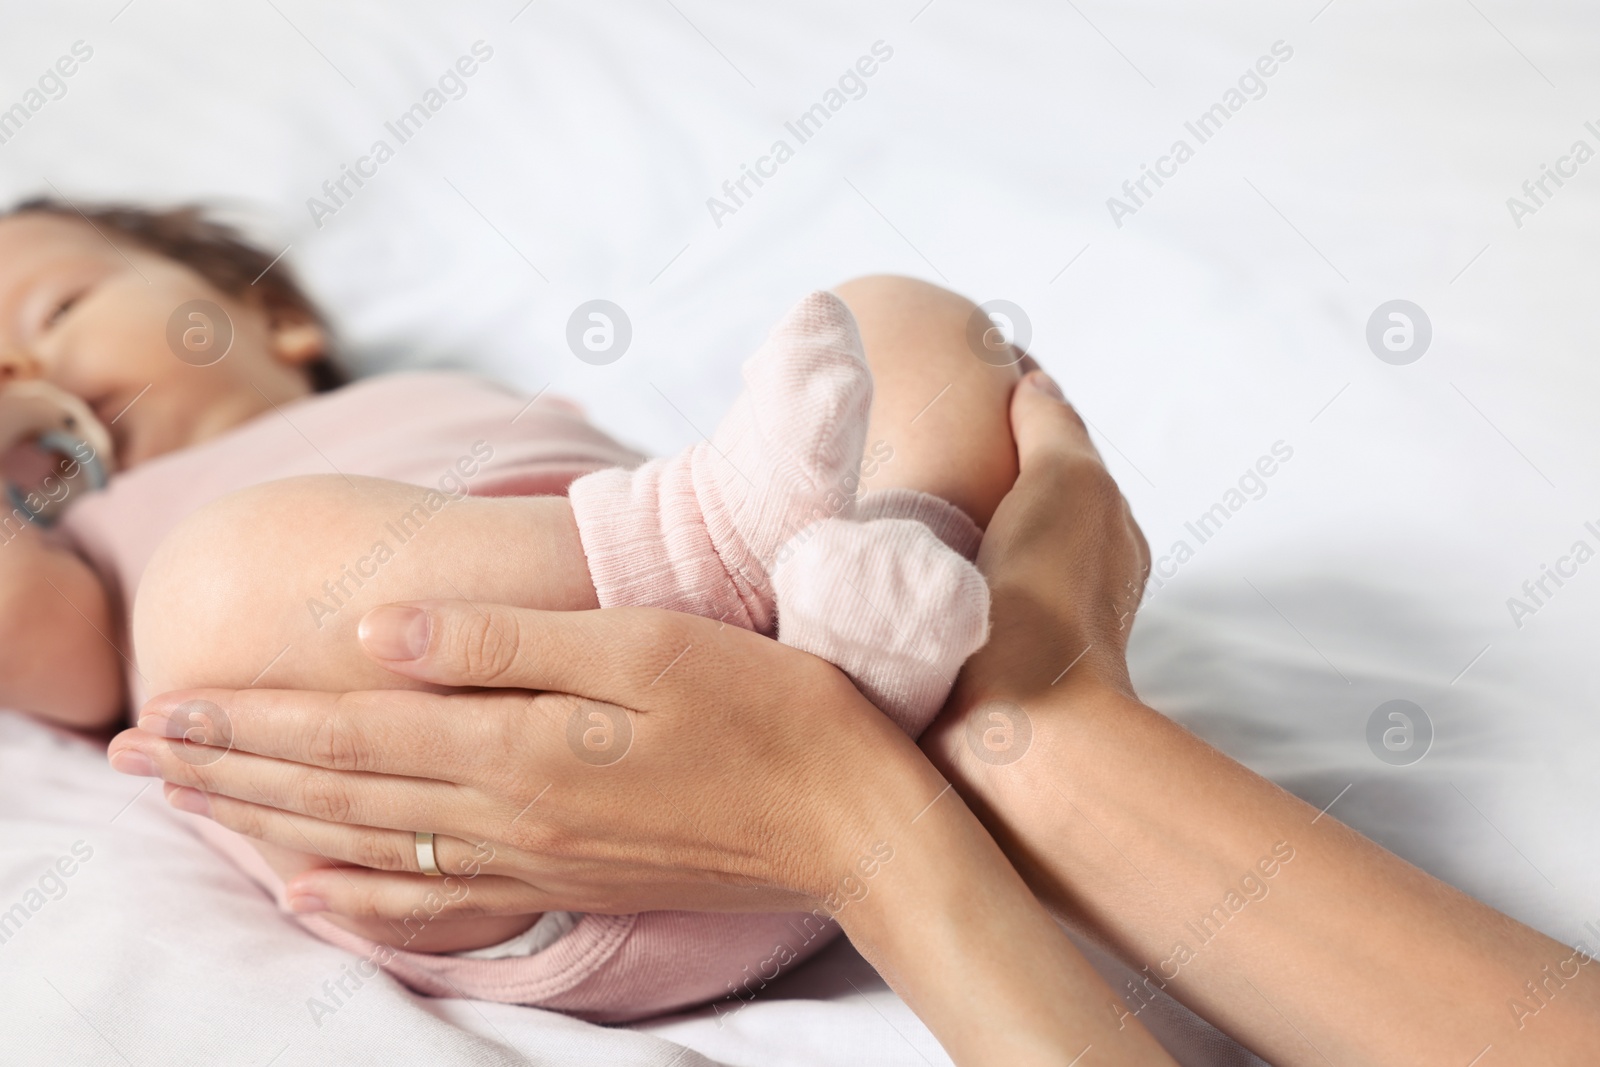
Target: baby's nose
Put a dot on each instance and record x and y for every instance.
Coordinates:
(17, 367)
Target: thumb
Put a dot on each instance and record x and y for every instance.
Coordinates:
(453, 643)
(614, 656)
(1043, 422)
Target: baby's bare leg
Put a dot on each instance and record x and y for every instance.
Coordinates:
(943, 411)
(265, 588)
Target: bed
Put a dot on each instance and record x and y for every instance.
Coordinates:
(1215, 312)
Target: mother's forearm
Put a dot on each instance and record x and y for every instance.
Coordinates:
(952, 927)
(1305, 940)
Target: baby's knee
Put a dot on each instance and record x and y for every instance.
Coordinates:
(264, 587)
(879, 300)
(943, 396)
(891, 289)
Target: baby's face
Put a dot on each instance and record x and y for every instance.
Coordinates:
(91, 317)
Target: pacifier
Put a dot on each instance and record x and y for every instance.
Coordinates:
(60, 425)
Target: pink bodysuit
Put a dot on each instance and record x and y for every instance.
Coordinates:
(416, 428)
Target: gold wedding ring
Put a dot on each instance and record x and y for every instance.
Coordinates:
(425, 857)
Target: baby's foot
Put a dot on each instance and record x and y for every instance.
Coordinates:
(701, 532)
(890, 603)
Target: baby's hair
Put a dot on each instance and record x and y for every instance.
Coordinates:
(217, 252)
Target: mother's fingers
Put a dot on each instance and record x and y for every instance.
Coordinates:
(1044, 423)
(597, 887)
(398, 732)
(371, 799)
(613, 655)
(366, 846)
(368, 894)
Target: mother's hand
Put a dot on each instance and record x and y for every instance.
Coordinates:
(1066, 566)
(1064, 558)
(689, 774)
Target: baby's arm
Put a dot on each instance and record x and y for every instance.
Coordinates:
(57, 659)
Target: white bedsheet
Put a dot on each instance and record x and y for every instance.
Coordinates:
(1223, 316)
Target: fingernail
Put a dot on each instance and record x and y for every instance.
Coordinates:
(395, 632)
(1045, 384)
(127, 761)
(190, 800)
(305, 905)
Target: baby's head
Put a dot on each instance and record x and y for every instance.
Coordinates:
(86, 301)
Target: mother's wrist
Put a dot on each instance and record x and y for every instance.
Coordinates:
(1000, 727)
(859, 814)
(1045, 632)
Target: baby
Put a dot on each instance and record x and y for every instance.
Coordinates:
(258, 510)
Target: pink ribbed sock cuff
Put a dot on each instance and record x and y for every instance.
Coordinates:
(949, 523)
(646, 540)
(701, 532)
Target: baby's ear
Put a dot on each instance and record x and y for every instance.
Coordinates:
(297, 339)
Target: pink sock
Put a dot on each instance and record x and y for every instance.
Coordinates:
(888, 602)
(700, 532)
(949, 523)
(754, 523)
